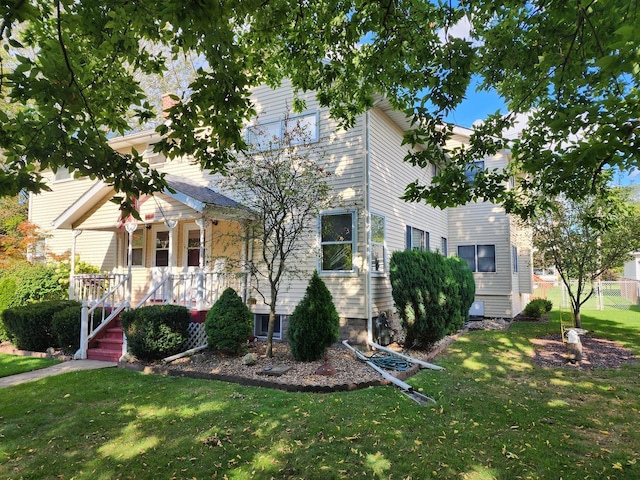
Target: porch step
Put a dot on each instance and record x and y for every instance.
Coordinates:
(108, 346)
(103, 354)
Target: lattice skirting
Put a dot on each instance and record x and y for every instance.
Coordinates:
(197, 336)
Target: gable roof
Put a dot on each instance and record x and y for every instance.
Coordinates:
(195, 196)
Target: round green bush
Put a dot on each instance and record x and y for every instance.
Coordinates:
(157, 331)
(229, 323)
(537, 307)
(314, 324)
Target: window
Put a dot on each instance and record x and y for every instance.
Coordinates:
(444, 246)
(337, 240)
(377, 243)
(137, 248)
(62, 174)
(416, 239)
(261, 325)
(153, 158)
(302, 128)
(193, 248)
(472, 170)
(162, 249)
(514, 258)
(480, 258)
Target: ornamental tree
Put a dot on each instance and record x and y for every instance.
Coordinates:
(282, 181)
(584, 239)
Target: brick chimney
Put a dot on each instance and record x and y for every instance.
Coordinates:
(168, 101)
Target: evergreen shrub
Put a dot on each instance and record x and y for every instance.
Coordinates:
(314, 324)
(7, 295)
(537, 307)
(66, 328)
(426, 295)
(463, 276)
(229, 323)
(156, 331)
(30, 327)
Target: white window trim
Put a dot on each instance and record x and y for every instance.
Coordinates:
(354, 243)
(125, 257)
(64, 179)
(279, 318)
(472, 170)
(383, 272)
(514, 258)
(189, 227)
(155, 229)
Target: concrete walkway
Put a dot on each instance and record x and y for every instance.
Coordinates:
(64, 367)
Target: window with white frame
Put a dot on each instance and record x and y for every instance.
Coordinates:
(62, 175)
(162, 248)
(261, 325)
(268, 135)
(514, 258)
(416, 239)
(137, 248)
(472, 170)
(337, 241)
(377, 243)
(480, 258)
(193, 248)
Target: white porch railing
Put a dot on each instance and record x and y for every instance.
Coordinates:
(197, 291)
(91, 287)
(102, 310)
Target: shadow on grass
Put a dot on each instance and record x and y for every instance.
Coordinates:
(498, 416)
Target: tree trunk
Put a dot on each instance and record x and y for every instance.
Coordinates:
(576, 317)
(272, 322)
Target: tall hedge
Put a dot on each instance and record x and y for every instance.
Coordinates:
(426, 295)
(466, 287)
(156, 331)
(314, 324)
(30, 327)
(229, 323)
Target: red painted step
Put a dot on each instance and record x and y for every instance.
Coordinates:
(108, 345)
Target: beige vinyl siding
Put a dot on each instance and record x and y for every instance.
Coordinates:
(389, 176)
(342, 154)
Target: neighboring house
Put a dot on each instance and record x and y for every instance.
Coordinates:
(188, 246)
(631, 270)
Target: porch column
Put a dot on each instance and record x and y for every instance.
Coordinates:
(200, 293)
(131, 227)
(72, 273)
(171, 224)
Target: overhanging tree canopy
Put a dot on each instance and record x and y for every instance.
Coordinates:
(73, 71)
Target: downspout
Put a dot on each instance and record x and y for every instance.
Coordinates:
(367, 220)
(249, 263)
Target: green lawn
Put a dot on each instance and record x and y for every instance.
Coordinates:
(13, 364)
(498, 416)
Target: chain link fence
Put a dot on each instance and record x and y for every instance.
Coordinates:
(607, 295)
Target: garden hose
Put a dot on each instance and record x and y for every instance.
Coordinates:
(388, 361)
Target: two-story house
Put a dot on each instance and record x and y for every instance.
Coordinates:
(180, 250)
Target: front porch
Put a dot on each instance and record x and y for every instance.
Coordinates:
(185, 248)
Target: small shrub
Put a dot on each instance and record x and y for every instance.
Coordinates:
(156, 331)
(38, 283)
(29, 327)
(229, 323)
(425, 294)
(537, 307)
(66, 328)
(314, 324)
